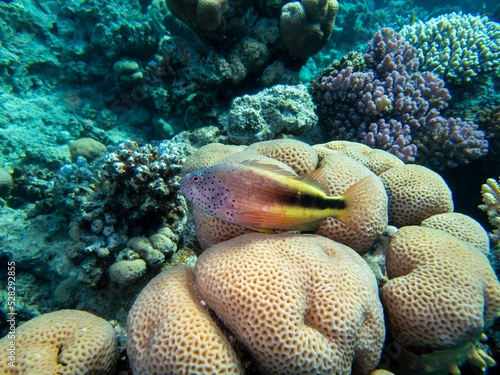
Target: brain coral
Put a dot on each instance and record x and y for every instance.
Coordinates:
(89, 148)
(461, 226)
(299, 303)
(441, 292)
(62, 342)
(169, 331)
(298, 155)
(459, 47)
(341, 172)
(415, 193)
(441, 295)
(302, 159)
(376, 160)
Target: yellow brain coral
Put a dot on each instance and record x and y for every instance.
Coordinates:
(376, 160)
(461, 226)
(62, 342)
(299, 156)
(341, 173)
(169, 331)
(441, 292)
(415, 193)
(299, 303)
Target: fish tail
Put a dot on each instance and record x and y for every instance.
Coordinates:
(358, 201)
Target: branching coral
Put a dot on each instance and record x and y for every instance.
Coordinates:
(459, 47)
(491, 198)
(388, 104)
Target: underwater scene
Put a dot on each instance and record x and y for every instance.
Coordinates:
(249, 187)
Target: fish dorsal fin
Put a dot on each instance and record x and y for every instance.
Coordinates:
(268, 168)
(317, 178)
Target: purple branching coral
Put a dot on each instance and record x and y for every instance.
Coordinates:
(387, 103)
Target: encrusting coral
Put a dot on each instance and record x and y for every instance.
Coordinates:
(442, 294)
(458, 47)
(385, 102)
(491, 198)
(62, 342)
(273, 112)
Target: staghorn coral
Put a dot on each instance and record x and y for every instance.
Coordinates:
(392, 106)
(61, 342)
(442, 294)
(299, 303)
(271, 113)
(458, 47)
(491, 198)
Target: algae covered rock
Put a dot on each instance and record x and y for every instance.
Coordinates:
(266, 115)
(89, 148)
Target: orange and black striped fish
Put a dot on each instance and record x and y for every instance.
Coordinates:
(265, 197)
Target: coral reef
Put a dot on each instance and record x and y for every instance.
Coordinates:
(170, 311)
(278, 111)
(388, 104)
(65, 341)
(461, 226)
(442, 294)
(341, 173)
(491, 198)
(415, 194)
(292, 291)
(460, 48)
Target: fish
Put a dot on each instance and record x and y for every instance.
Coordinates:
(265, 197)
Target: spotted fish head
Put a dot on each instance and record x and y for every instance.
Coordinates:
(205, 190)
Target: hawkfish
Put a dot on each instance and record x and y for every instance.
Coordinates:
(265, 197)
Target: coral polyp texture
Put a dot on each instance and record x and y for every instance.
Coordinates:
(62, 342)
(169, 331)
(442, 292)
(491, 205)
(306, 25)
(415, 193)
(279, 110)
(299, 303)
(341, 173)
(461, 226)
(300, 158)
(386, 103)
(458, 47)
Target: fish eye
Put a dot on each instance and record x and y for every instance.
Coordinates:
(196, 178)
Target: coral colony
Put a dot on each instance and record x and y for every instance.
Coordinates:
(249, 187)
